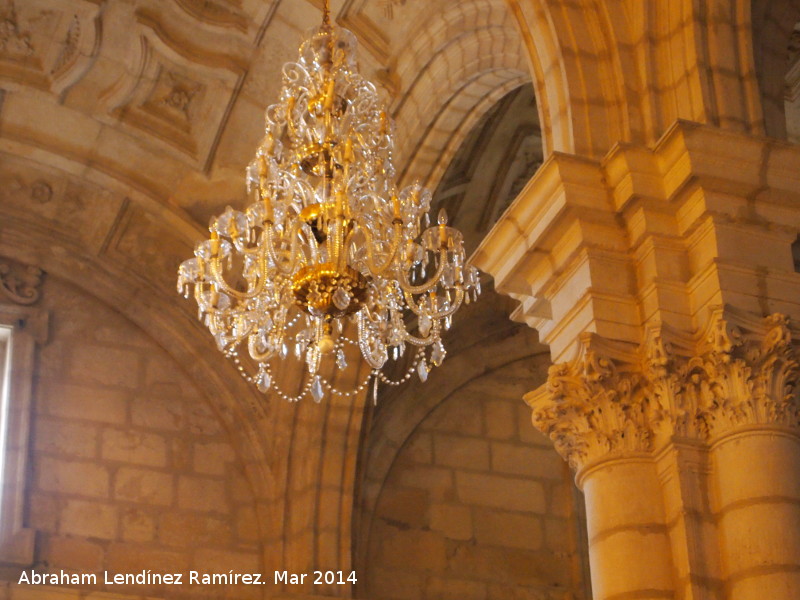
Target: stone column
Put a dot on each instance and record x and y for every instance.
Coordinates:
(595, 410)
(664, 283)
(752, 419)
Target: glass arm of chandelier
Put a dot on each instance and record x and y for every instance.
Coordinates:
(253, 350)
(421, 289)
(433, 335)
(216, 273)
(415, 308)
(285, 265)
(377, 270)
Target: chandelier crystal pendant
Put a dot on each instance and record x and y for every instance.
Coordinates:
(328, 238)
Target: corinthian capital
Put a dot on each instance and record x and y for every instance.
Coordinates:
(751, 370)
(613, 399)
(595, 405)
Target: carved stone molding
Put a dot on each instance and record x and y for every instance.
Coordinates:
(610, 401)
(20, 283)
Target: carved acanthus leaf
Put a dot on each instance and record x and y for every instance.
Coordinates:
(752, 370)
(742, 371)
(593, 406)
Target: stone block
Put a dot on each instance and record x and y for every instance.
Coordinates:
(500, 528)
(201, 420)
(452, 520)
(418, 448)
(464, 416)
(404, 507)
(86, 403)
(134, 447)
(461, 452)
(448, 588)
(437, 481)
(413, 550)
(557, 535)
(164, 414)
(72, 477)
(247, 526)
(59, 437)
(212, 458)
(183, 528)
(528, 461)
(223, 561)
(137, 525)
(500, 492)
(501, 419)
(105, 365)
(202, 494)
(43, 511)
(144, 486)
(89, 519)
(132, 558)
(73, 553)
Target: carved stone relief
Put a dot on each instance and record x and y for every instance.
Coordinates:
(38, 198)
(177, 94)
(741, 371)
(45, 47)
(20, 283)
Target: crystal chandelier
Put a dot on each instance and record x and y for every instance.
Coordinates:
(329, 253)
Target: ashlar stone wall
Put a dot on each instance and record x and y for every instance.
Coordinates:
(478, 506)
(130, 470)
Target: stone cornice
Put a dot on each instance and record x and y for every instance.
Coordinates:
(649, 235)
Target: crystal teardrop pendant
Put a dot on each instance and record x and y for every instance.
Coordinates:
(341, 361)
(438, 353)
(263, 381)
(422, 370)
(317, 392)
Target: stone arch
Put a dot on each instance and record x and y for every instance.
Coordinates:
(772, 24)
(463, 60)
(576, 75)
(625, 73)
(499, 343)
(286, 448)
(399, 509)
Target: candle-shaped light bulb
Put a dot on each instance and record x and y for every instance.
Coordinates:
(443, 227)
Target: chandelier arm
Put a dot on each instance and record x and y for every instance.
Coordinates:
(421, 289)
(454, 305)
(293, 252)
(426, 341)
(216, 272)
(378, 270)
(219, 279)
(254, 353)
(411, 303)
